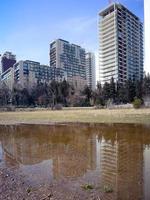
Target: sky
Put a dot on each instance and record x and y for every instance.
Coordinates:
(28, 26)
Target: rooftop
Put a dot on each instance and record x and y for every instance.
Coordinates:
(113, 7)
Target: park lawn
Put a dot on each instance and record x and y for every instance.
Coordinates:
(141, 116)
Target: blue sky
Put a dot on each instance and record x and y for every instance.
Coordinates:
(28, 26)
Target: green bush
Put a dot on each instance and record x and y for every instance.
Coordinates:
(137, 103)
(87, 187)
(108, 189)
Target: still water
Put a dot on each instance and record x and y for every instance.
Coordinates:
(115, 156)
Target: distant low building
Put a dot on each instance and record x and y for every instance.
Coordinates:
(7, 61)
(8, 77)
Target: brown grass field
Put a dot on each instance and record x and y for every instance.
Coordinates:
(77, 115)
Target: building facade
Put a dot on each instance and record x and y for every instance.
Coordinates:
(90, 70)
(7, 61)
(147, 34)
(71, 59)
(7, 77)
(28, 73)
(121, 44)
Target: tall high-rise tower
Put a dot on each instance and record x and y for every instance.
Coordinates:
(121, 44)
(147, 34)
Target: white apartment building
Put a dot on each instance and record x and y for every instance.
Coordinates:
(121, 44)
(71, 59)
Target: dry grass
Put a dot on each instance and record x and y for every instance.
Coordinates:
(80, 115)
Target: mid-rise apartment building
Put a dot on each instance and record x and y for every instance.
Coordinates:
(90, 70)
(71, 59)
(121, 44)
(28, 73)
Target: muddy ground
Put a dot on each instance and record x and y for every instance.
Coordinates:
(13, 187)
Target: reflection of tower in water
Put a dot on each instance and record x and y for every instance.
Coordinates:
(122, 168)
(1, 152)
(108, 160)
(73, 160)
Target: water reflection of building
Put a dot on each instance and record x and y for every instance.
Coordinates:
(1, 151)
(75, 159)
(122, 168)
(72, 153)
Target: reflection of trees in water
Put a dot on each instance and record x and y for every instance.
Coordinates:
(107, 132)
(128, 131)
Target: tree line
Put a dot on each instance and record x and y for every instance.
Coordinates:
(54, 93)
(119, 93)
(42, 94)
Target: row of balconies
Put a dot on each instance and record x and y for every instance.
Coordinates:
(126, 22)
(127, 15)
(107, 25)
(106, 54)
(107, 42)
(108, 36)
(109, 63)
(107, 58)
(107, 47)
(108, 17)
(110, 56)
(113, 48)
(108, 30)
(108, 39)
(110, 75)
(108, 70)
